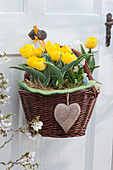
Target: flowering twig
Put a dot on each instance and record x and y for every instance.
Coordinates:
(25, 161)
(21, 129)
(4, 56)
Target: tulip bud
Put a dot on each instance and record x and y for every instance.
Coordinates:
(91, 43)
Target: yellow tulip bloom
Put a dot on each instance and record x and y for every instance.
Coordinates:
(48, 45)
(31, 61)
(56, 45)
(54, 51)
(40, 64)
(27, 51)
(54, 54)
(38, 52)
(37, 63)
(68, 58)
(66, 49)
(91, 43)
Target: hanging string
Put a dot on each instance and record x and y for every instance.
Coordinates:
(67, 99)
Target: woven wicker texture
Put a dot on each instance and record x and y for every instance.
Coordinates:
(35, 104)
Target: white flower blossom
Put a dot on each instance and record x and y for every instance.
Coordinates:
(6, 100)
(84, 75)
(33, 137)
(37, 125)
(76, 45)
(82, 63)
(7, 59)
(5, 129)
(7, 80)
(32, 155)
(2, 100)
(1, 116)
(29, 158)
(5, 122)
(3, 57)
(7, 89)
(75, 69)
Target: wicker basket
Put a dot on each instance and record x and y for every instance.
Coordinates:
(35, 104)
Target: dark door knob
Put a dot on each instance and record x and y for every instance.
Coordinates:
(108, 23)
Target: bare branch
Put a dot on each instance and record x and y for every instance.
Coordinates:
(20, 162)
(17, 132)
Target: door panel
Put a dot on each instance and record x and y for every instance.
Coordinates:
(70, 6)
(76, 20)
(11, 5)
(60, 28)
(104, 118)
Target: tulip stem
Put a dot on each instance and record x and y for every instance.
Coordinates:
(90, 51)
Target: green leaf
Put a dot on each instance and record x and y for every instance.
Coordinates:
(98, 82)
(55, 82)
(18, 68)
(75, 62)
(31, 71)
(23, 65)
(60, 62)
(92, 68)
(91, 62)
(43, 55)
(47, 75)
(82, 50)
(82, 57)
(48, 58)
(95, 67)
(76, 81)
(67, 67)
(72, 76)
(69, 77)
(56, 71)
(35, 73)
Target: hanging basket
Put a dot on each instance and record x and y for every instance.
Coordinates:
(43, 105)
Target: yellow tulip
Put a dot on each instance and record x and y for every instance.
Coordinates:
(53, 50)
(31, 61)
(52, 47)
(37, 63)
(38, 52)
(56, 45)
(48, 45)
(54, 54)
(68, 58)
(91, 43)
(66, 49)
(40, 64)
(27, 51)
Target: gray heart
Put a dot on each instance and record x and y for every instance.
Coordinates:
(66, 116)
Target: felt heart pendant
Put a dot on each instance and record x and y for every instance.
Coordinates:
(66, 116)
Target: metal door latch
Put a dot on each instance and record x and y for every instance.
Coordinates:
(108, 23)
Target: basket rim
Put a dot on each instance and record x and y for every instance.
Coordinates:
(50, 92)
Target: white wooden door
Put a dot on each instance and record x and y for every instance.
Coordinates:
(65, 21)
